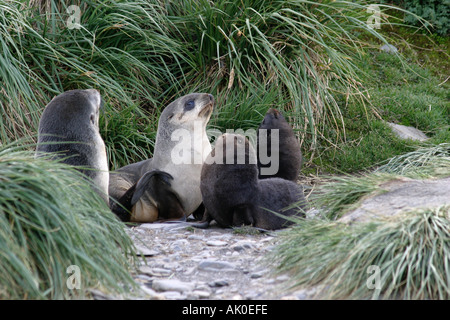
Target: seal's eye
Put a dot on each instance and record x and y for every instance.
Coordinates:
(189, 105)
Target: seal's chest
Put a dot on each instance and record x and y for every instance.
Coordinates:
(186, 184)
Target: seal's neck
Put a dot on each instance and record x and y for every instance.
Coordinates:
(182, 145)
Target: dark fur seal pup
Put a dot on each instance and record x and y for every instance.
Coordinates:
(285, 150)
(68, 128)
(234, 196)
(172, 190)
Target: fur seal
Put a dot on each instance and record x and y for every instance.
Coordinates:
(234, 196)
(68, 128)
(173, 190)
(289, 153)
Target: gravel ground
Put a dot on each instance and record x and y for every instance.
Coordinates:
(214, 264)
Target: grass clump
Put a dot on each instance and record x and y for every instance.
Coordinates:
(411, 253)
(431, 161)
(50, 219)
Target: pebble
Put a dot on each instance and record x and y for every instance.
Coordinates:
(218, 283)
(145, 251)
(216, 243)
(172, 285)
(152, 293)
(243, 245)
(201, 294)
(389, 48)
(216, 266)
(173, 295)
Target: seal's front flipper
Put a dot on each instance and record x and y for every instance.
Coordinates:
(169, 206)
(122, 207)
(150, 182)
(155, 185)
(151, 179)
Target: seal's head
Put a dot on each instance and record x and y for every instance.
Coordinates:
(233, 149)
(182, 124)
(75, 109)
(273, 120)
(185, 111)
(68, 129)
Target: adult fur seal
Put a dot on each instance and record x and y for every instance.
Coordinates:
(68, 129)
(234, 196)
(284, 148)
(171, 189)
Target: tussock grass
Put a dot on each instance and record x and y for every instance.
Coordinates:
(411, 253)
(122, 49)
(424, 162)
(50, 219)
(143, 54)
(305, 48)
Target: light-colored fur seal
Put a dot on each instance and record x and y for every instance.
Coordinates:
(169, 183)
(68, 129)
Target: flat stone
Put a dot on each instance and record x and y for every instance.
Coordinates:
(216, 243)
(195, 237)
(145, 251)
(172, 285)
(242, 245)
(152, 293)
(257, 275)
(218, 283)
(201, 294)
(402, 195)
(154, 271)
(173, 295)
(404, 132)
(214, 265)
(389, 48)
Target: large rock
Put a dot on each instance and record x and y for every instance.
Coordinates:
(404, 132)
(402, 195)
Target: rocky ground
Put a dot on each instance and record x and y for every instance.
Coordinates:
(187, 263)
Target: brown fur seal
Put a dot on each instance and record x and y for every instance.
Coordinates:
(234, 196)
(282, 146)
(68, 128)
(167, 186)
